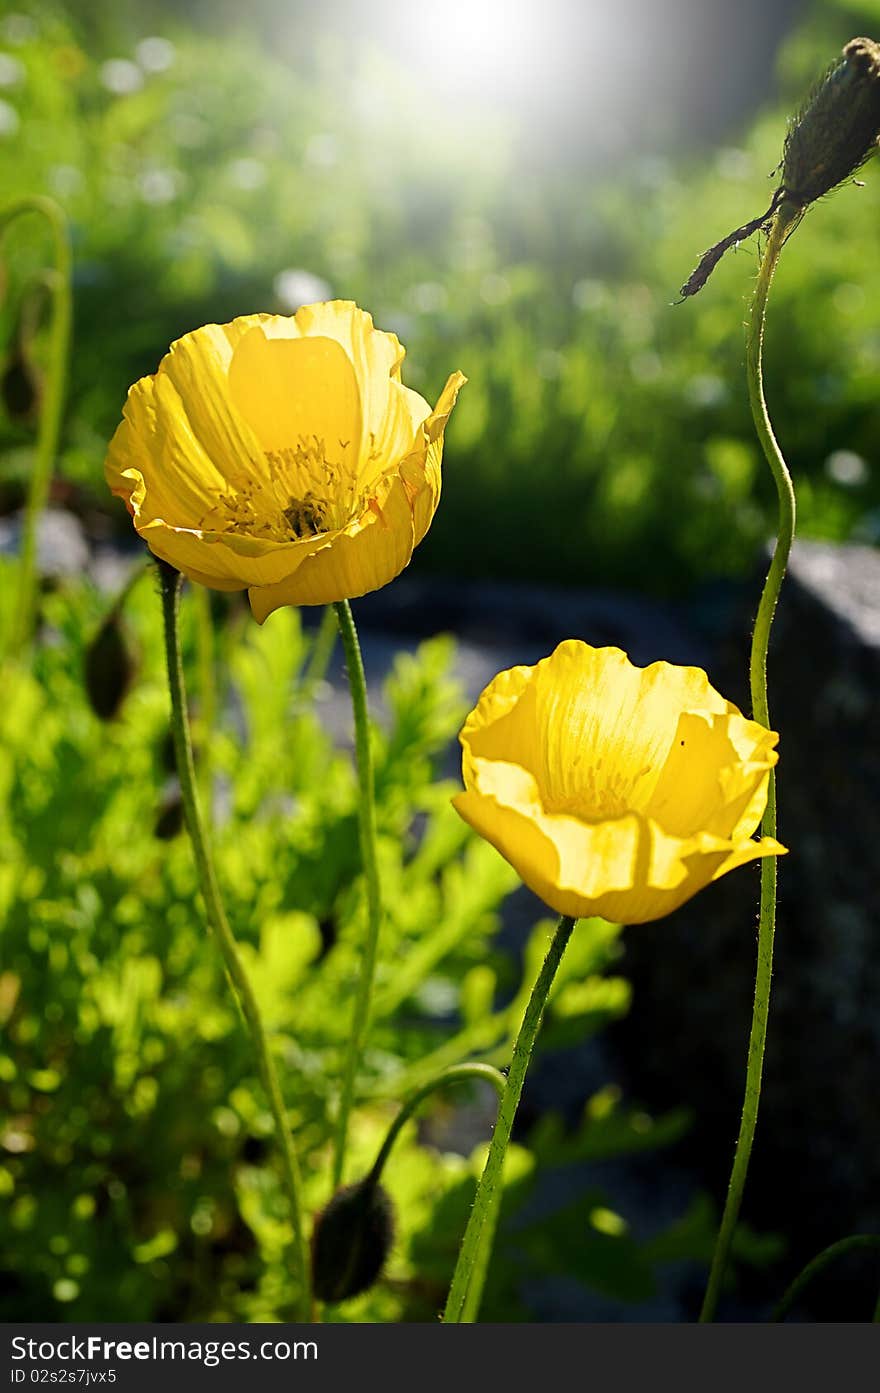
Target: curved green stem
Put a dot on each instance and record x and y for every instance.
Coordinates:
(854, 1243)
(50, 415)
(783, 224)
(453, 1075)
(367, 823)
(473, 1258)
(216, 915)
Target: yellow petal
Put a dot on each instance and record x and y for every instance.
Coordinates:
(197, 367)
(391, 413)
(298, 393)
(713, 776)
(607, 726)
(626, 870)
(427, 471)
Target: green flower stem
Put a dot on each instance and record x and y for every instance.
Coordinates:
(207, 690)
(367, 823)
(473, 1258)
(454, 1075)
(854, 1243)
(216, 915)
(783, 224)
(50, 415)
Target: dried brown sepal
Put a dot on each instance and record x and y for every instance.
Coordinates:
(837, 129)
(710, 259)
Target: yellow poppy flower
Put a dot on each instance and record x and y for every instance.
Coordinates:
(614, 790)
(283, 456)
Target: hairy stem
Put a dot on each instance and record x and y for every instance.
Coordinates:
(854, 1243)
(367, 824)
(473, 1258)
(216, 915)
(50, 415)
(783, 223)
(456, 1074)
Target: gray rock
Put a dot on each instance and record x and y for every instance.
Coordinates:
(816, 1165)
(62, 547)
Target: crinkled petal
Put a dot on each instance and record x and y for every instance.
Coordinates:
(557, 759)
(714, 775)
(626, 870)
(296, 392)
(426, 467)
(356, 561)
(197, 366)
(606, 726)
(390, 413)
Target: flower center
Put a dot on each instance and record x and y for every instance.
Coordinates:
(598, 793)
(304, 495)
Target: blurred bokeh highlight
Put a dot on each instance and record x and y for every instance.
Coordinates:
(518, 189)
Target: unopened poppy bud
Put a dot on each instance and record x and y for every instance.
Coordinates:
(837, 129)
(110, 667)
(351, 1241)
(827, 141)
(21, 388)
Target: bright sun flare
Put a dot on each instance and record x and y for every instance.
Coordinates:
(482, 46)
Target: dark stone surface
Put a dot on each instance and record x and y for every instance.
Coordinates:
(816, 1165)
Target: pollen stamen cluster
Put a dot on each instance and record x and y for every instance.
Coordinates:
(303, 495)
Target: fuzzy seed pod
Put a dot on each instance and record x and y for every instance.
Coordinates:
(351, 1241)
(829, 139)
(21, 388)
(837, 129)
(111, 663)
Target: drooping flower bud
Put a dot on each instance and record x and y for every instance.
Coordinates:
(837, 129)
(21, 387)
(111, 663)
(829, 139)
(351, 1241)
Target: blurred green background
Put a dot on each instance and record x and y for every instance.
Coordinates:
(518, 189)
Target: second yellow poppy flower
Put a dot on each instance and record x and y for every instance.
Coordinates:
(283, 456)
(615, 790)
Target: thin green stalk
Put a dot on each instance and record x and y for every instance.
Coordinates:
(207, 690)
(216, 915)
(49, 427)
(367, 822)
(855, 1243)
(473, 1258)
(783, 224)
(455, 1075)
